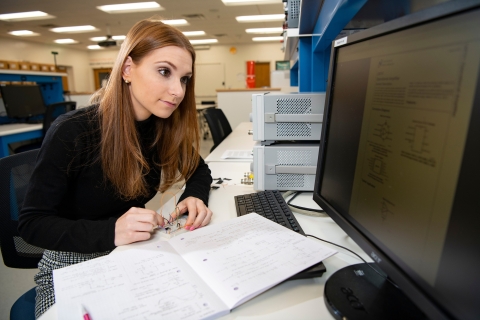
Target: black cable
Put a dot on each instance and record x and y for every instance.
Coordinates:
(302, 208)
(370, 265)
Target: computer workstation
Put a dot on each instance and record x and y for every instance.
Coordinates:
(23, 103)
(24, 106)
(398, 166)
(397, 172)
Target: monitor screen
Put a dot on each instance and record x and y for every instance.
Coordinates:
(22, 101)
(399, 162)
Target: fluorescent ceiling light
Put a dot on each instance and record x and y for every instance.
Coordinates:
(261, 18)
(75, 29)
(194, 33)
(65, 41)
(176, 22)
(203, 41)
(94, 47)
(202, 47)
(249, 2)
(23, 16)
(267, 38)
(131, 7)
(265, 30)
(24, 33)
(105, 38)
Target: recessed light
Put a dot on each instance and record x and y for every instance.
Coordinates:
(23, 16)
(203, 41)
(131, 7)
(261, 18)
(249, 2)
(267, 38)
(24, 33)
(176, 22)
(194, 33)
(264, 30)
(65, 41)
(105, 38)
(74, 29)
(94, 47)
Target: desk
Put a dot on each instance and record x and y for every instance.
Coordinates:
(295, 299)
(239, 139)
(16, 132)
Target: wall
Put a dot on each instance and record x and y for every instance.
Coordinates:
(235, 67)
(235, 64)
(81, 75)
(82, 62)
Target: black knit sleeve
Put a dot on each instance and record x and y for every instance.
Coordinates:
(43, 220)
(198, 185)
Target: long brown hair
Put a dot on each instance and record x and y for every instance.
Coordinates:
(177, 137)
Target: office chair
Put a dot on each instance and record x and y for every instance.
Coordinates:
(15, 173)
(218, 124)
(52, 111)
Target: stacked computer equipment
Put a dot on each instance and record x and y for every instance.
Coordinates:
(287, 129)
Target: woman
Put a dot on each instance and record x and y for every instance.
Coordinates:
(98, 166)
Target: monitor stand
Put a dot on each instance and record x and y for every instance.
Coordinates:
(358, 292)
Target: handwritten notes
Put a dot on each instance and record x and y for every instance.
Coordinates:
(240, 257)
(151, 282)
(196, 275)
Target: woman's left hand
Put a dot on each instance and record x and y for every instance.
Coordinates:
(199, 214)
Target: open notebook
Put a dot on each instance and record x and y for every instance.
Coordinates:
(196, 275)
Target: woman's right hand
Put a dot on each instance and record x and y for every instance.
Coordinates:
(135, 225)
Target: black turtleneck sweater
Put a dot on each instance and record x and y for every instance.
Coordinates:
(69, 206)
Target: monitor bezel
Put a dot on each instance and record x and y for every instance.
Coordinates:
(431, 307)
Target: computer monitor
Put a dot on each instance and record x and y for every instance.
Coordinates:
(22, 101)
(399, 165)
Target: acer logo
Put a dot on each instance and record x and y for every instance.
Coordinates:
(375, 257)
(352, 299)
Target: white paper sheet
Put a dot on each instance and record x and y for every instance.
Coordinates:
(237, 154)
(239, 258)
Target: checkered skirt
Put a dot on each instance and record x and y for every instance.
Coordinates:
(50, 261)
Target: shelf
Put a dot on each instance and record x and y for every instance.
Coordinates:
(290, 40)
(309, 13)
(32, 73)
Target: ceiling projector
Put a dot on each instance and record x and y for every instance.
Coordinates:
(109, 42)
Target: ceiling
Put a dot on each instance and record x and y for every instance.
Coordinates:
(212, 16)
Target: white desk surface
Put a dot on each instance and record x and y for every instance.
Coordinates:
(295, 299)
(239, 139)
(13, 128)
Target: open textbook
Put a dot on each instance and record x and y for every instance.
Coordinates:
(196, 275)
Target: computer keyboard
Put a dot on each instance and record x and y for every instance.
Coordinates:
(271, 205)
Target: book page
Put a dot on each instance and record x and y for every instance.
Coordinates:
(150, 281)
(245, 256)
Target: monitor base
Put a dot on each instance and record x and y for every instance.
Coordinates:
(358, 292)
